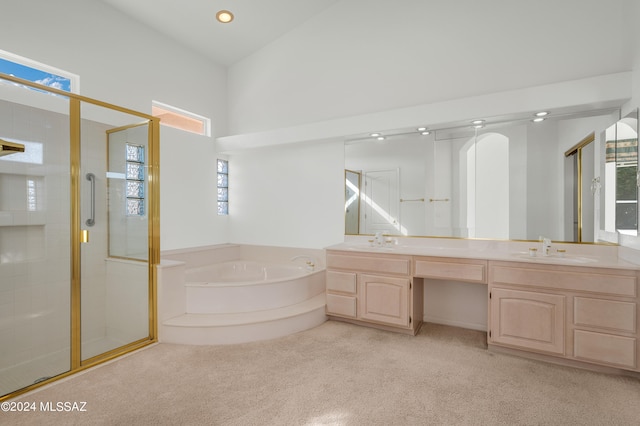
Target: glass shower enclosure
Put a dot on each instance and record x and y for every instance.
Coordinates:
(79, 233)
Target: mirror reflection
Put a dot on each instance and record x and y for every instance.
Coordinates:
(501, 179)
(621, 176)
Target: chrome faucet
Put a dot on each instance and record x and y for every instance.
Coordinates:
(310, 264)
(546, 246)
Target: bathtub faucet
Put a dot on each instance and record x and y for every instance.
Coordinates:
(310, 264)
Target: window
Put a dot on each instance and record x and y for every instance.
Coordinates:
(181, 119)
(36, 72)
(223, 187)
(627, 195)
(135, 180)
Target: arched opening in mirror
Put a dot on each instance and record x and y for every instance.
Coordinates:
(487, 178)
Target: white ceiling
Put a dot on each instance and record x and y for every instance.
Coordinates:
(193, 22)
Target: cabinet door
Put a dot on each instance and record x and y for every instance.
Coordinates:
(529, 320)
(384, 299)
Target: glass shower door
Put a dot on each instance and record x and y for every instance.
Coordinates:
(114, 218)
(35, 249)
(79, 233)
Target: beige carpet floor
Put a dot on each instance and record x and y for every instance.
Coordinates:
(338, 374)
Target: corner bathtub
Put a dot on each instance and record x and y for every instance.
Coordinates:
(247, 286)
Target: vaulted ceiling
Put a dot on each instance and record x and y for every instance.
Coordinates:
(290, 60)
(259, 22)
(193, 22)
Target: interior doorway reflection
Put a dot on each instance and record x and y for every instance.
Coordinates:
(584, 189)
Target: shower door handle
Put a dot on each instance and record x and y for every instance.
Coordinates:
(92, 220)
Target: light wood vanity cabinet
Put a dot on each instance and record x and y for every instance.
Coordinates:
(374, 289)
(577, 313)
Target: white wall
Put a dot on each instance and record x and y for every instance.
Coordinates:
(363, 56)
(323, 72)
(188, 206)
(360, 66)
(125, 63)
(288, 196)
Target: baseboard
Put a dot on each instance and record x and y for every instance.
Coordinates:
(460, 324)
(563, 361)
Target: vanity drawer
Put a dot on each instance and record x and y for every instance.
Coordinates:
(344, 282)
(341, 305)
(393, 264)
(614, 283)
(451, 269)
(604, 348)
(609, 314)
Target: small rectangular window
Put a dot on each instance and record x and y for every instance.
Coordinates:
(181, 119)
(36, 72)
(135, 180)
(223, 187)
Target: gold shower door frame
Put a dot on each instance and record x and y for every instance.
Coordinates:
(577, 150)
(75, 102)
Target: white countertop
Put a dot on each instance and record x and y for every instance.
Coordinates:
(585, 255)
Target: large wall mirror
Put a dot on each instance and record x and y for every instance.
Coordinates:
(504, 178)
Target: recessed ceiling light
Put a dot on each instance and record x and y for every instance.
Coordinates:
(478, 126)
(421, 129)
(224, 16)
(541, 113)
(538, 119)
(380, 138)
(374, 135)
(476, 122)
(426, 132)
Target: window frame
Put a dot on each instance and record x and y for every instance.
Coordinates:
(179, 113)
(74, 79)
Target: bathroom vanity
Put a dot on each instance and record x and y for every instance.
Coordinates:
(582, 313)
(580, 309)
(376, 289)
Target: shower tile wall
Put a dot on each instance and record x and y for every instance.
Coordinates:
(127, 318)
(34, 245)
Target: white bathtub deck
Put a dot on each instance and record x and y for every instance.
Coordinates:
(230, 328)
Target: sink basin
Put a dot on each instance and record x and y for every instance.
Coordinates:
(567, 258)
